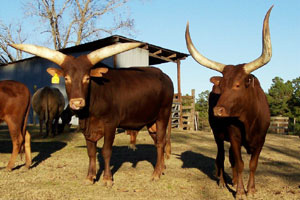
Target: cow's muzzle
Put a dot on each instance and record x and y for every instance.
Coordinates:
(220, 111)
(77, 103)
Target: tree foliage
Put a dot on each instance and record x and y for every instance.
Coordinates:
(294, 104)
(202, 104)
(278, 96)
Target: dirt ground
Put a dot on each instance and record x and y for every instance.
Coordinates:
(60, 166)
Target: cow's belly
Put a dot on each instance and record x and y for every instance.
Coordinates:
(137, 121)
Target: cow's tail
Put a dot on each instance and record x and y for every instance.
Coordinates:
(168, 139)
(24, 125)
(47, 109)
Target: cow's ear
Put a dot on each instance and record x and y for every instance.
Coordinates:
(52, 71)
(216, 80)
(249, 81)
(97, 72)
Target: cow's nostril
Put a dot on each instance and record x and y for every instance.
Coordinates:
(77, 103)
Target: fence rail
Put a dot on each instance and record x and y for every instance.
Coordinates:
(279, 125)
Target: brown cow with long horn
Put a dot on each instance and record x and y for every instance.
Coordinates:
(238, 110)
(105, 99)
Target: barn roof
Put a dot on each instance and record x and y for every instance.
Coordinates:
(157, 55)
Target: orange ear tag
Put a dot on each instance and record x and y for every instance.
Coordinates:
(55, 79)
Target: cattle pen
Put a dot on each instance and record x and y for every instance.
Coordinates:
(60, 163)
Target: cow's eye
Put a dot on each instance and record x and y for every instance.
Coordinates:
(67, 79)
(237, 86)
(86, 79)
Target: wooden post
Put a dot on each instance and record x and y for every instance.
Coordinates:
(193, 111)
(179, 94)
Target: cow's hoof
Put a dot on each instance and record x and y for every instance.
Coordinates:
(9, 169)
(90, 180)
(24, 169)
(155, 177)
(132, 146)
(251, 192)
(222, 184)
(167, 156)
(240, 196)
(27, 166)
(108, 183)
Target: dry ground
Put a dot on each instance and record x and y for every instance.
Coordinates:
(60, 166)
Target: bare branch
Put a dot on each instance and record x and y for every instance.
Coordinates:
(7, 36)
(75, 21)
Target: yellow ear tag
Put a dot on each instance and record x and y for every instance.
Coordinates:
(55, 79)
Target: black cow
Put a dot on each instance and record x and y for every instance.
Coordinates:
(48, 103)
(105, 99)
(238, 111)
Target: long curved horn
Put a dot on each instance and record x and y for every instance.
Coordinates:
(198, 57)
(44, 52)
(105, 52)
(267, 48)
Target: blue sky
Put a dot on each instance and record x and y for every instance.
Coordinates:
(226, 31)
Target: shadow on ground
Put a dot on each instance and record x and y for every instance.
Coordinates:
(205, 164)
(122, 154)
(44, 149)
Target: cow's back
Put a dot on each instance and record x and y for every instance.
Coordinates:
(14, 98)
(134, 93)
(47, 100)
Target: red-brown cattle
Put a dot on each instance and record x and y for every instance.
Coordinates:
(238, 111)
(48, 103)
(14, 109)
(105, 99)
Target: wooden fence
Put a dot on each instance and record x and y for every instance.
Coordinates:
(279, 125)
(183, 113)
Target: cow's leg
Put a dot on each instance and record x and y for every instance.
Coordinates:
(109, 137)
(55, 132)
(41, 127)
(152, 132)
(17, 139)
(234, 170)
(47, 129)
(252, 167)
(27, 150)
(50, 127)
(235, 141)
(168, 140)
(133, 135)
(92, 150)
(161, 126)
(220, 162)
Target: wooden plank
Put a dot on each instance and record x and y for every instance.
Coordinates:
(157, 52)
(172, 56)
(162, 57)
(188, 97)
(187, 107)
